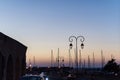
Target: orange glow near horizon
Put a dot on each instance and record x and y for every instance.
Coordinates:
(43, 57)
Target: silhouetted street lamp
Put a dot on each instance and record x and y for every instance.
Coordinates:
(71, 45)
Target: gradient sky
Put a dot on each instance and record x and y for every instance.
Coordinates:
(43, 25)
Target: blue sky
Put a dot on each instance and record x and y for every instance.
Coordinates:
(43, 25)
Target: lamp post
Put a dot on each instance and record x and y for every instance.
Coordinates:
(76, 43)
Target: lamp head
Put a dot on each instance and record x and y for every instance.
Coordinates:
(71, 45)
(82, 46)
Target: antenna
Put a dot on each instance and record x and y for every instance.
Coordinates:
(88, 61)
(69, 58)
(84, 64)
(30, 65)
(34, 61)
(102, 59)
(62, 61)
(51, 58)
(93, 60)
(58, 58)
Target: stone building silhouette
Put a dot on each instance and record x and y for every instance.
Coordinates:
(12, 58)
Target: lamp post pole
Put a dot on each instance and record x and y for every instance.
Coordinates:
(76, 44)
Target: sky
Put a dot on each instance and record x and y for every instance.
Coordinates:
(45, 25)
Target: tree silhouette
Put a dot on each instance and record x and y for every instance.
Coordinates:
(111, 66)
